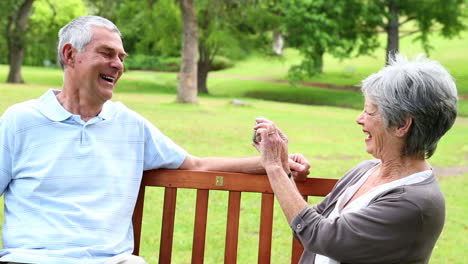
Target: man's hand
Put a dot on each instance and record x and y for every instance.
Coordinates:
(299, 166)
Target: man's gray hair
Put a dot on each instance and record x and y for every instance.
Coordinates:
(421, 90)
(78, 32)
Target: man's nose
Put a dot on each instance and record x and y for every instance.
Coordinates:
(117, 63)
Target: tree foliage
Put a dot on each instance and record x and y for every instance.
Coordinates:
(231, 29)
(150, 27)
(47, 18)
(17, 18)
(342, 28)
(424, 17)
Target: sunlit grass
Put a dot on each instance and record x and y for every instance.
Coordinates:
(328, 137)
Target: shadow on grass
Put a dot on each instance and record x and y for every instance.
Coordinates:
(141, 86)
(316, 97)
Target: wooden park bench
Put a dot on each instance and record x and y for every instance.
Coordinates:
(235, 184)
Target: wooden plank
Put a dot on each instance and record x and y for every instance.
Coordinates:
(167, 228)
(230, 181)
(137, 219)
(232, 228)
(266, 227)
(233, 182)
(297, 247)
(297, 250)
(199, 232)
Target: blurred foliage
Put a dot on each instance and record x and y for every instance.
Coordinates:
(342, 28)
(235, 29)
(168, 64)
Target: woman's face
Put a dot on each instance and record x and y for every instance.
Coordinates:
(379, 141)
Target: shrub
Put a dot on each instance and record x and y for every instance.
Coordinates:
(170, 64)
(221, 63)
(152, 63)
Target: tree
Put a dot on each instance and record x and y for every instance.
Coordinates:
(342, 28)
(155, 30)
(16, 26)
(187, 88)
(229, 28)
(441, 16)
(46, 19)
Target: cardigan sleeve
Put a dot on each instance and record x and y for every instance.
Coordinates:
(380, 233)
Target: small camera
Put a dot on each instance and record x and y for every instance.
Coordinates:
(256, 139)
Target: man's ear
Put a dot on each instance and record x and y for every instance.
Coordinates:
(403, 130)
(68, 55)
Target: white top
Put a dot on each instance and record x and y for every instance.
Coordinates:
(363, 200)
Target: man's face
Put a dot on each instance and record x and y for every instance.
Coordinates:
(99, 66)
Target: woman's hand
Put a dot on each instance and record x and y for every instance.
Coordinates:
(272, 144)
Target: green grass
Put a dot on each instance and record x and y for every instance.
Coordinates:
(452, 54)
(328, 137)
(452, 244)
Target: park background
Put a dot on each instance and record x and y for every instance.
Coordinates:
(313, 97)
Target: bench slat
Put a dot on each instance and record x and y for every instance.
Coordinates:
(230, 181)
(232, 228)
(297, 247)
(199, 233)
(137, 219)
(167, 230)
(266, 227)
(235, 183)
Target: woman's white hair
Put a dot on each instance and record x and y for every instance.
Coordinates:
(78, 32)
(419, 89)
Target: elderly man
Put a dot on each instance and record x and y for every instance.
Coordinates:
(71, 161)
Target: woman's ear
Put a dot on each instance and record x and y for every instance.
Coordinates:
(403, 130)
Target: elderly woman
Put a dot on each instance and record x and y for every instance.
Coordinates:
(386, 210)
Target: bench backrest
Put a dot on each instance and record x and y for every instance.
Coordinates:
(235, 184)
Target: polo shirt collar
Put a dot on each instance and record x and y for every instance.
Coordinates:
(52, 109)
(108, 110)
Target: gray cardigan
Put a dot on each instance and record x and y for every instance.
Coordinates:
(400, 225)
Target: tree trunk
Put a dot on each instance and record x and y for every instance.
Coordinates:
(319, 60)
(16, 39)
(392, 32)
(187, 89)
(204, 66)
(278, 43)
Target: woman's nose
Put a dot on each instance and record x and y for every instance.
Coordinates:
(360, 118)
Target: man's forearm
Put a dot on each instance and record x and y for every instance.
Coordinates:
(242, 165)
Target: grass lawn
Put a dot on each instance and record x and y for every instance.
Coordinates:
(328, 137)
(451, 53)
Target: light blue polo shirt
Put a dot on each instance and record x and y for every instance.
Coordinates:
(70, 186)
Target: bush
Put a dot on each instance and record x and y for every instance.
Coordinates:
(221, 63)
(152, 63)
(169, 64)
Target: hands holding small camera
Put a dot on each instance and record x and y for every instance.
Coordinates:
(272, 144)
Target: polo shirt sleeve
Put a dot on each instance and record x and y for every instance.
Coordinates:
(6, 152)
(161, 151)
